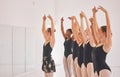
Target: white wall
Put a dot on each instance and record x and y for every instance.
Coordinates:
(6, 52)
(23, 18)
(18, 50)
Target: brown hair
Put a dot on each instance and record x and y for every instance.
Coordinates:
(70, 30)
(49, 30)
(104, 28)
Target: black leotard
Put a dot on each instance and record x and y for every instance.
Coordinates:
(48, 63)
(75, 51)
(88, 54)
(80, 55)
(100, 59)
(47, 50)
(68, 47)
(94, 60)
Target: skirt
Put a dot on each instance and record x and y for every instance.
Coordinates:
(48, 65)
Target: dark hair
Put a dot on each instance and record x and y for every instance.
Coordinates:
(49, 30)
(104, 28)
(70, 30)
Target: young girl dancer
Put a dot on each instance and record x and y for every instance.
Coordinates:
(88, 49)
(75, 51)
(67, 59)
(103, 37)
(48, 65)
(79, 34)
(74, 56)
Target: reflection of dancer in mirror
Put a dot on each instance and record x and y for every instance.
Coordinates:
(48, 65)
(103, 37)
(88, 49)
(67, 59)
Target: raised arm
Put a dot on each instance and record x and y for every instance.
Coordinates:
(95, 26)
(52, 40)
(82, 28)
(62, 28)
(107, 22)
(87, 24)
(108, 41)
(90, 37)
(44, 26)
(75, 29)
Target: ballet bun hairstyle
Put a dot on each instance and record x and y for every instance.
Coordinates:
(104, 28)
(49, 30)
(70, 30)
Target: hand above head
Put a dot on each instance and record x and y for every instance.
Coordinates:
(71, 18)
(82, 14)
(62, 19)
(44, 17)
(50, 17)
(102, 9)
(94, 10)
